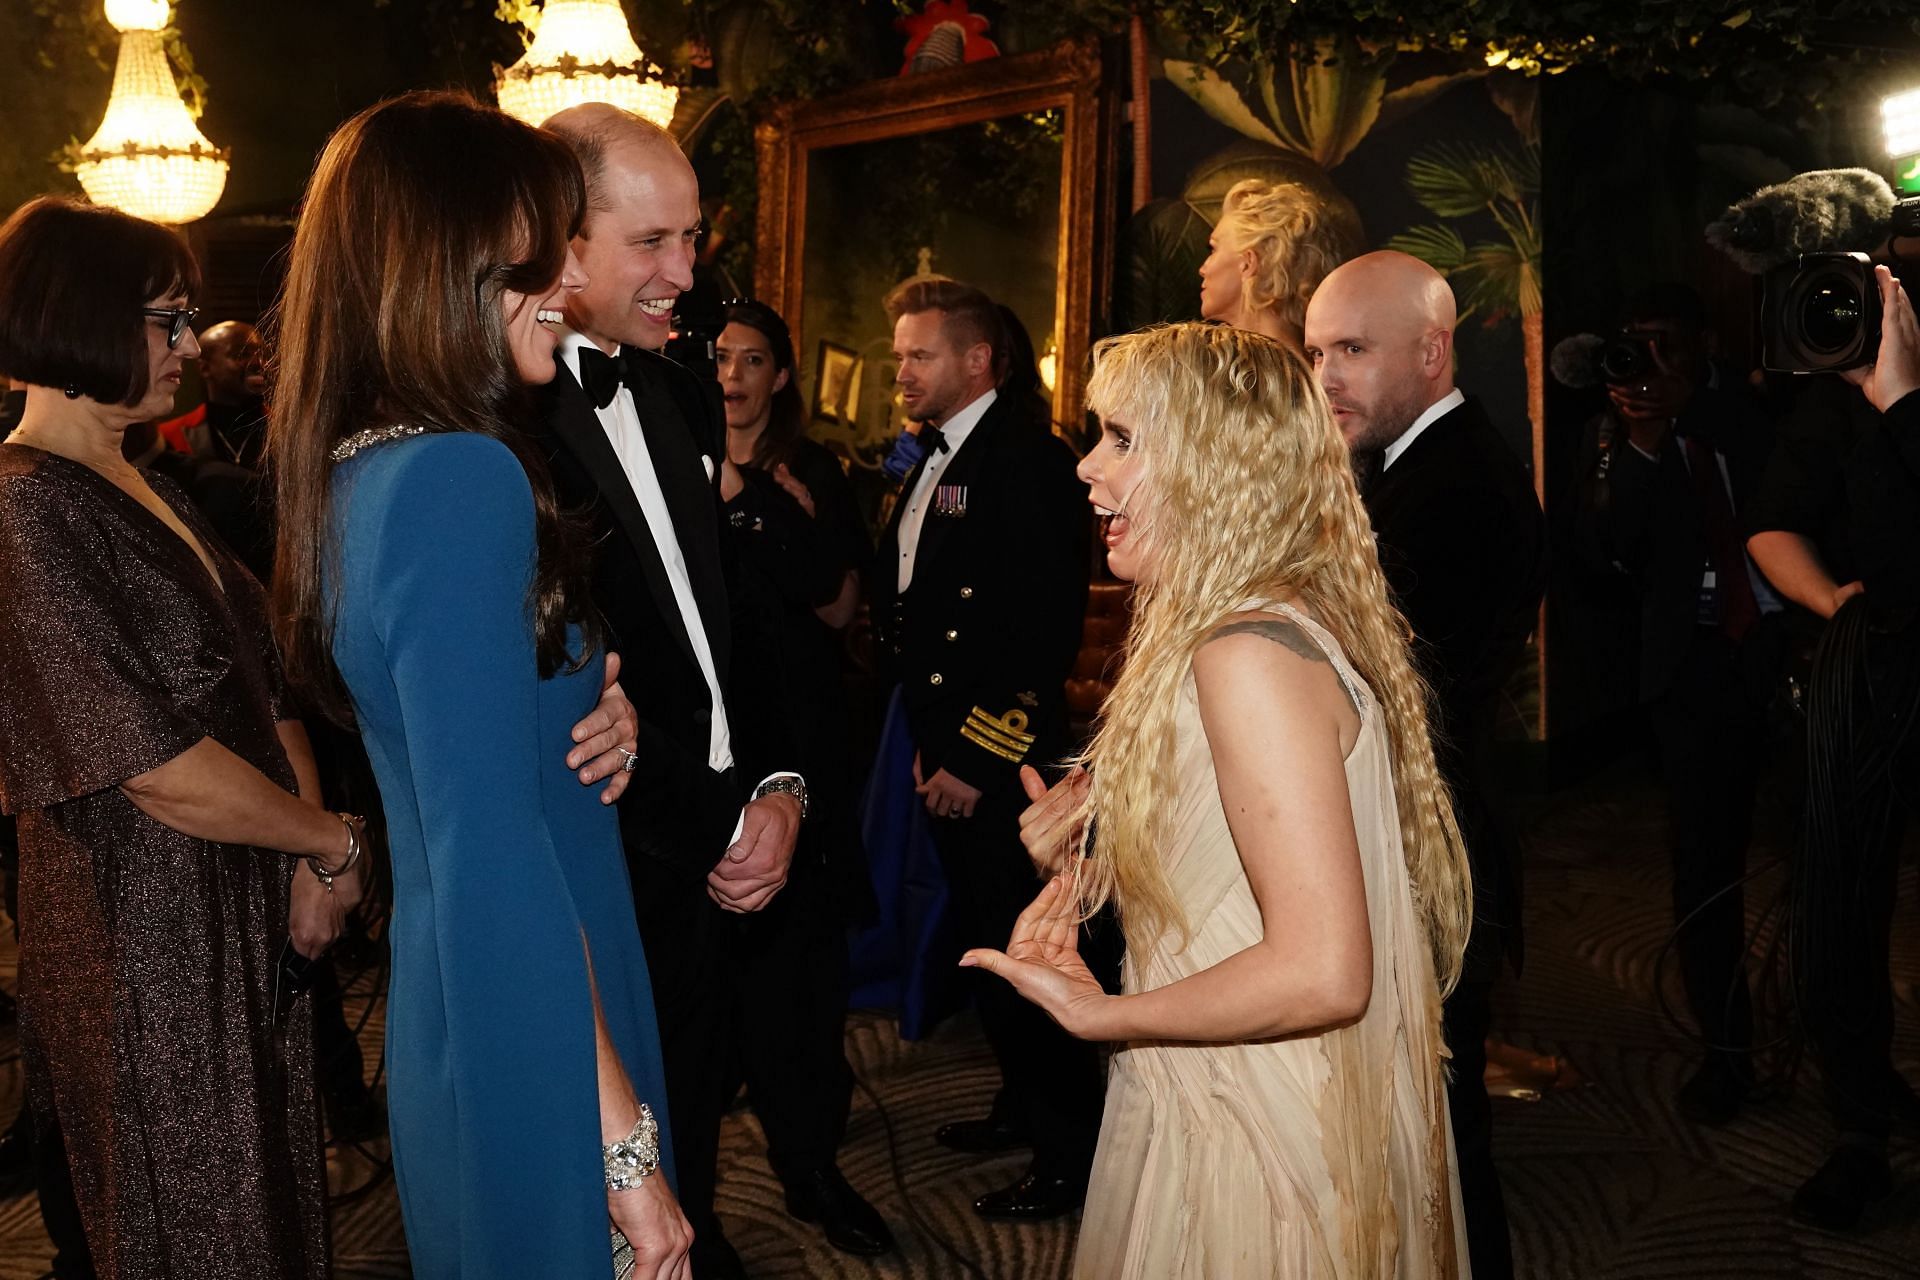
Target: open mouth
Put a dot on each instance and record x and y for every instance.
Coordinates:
(1113, 524)
(549, 316)
(657, 308)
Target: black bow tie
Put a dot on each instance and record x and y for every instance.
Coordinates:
(602, 375)
(932, 441)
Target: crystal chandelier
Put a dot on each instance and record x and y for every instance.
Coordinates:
(148, 158)
(582, 51)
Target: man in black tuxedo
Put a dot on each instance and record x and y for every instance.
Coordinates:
(638, 443)
(1463, 544)
(978, 595)
(1675, 462)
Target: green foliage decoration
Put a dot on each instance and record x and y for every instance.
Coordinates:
(1461, 180)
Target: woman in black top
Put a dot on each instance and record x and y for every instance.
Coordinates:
(799, 538)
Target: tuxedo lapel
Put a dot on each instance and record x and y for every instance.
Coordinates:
(689, 490)
(577, 426)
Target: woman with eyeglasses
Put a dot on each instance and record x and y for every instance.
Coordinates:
(170, 842)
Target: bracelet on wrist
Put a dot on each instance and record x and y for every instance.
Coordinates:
(632, 1159)
(327, 874)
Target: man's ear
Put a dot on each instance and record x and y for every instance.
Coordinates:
(1436, 353)
(979, 358)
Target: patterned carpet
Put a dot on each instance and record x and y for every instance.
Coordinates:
(1604, 1182)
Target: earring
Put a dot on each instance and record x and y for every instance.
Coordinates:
(73, 393)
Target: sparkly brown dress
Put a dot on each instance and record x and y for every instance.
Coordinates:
(147, 957)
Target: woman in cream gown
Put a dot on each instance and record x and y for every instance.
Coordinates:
(1270, 827)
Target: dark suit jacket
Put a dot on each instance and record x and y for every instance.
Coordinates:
(983, 640)
(677, 814)
(1645, 520)
(1463, 544)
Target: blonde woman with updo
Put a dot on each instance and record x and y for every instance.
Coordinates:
(1268, 822)
(1275, 242)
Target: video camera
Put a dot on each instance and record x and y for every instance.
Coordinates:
(1809, 239)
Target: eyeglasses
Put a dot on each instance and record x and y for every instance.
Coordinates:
(179, 320)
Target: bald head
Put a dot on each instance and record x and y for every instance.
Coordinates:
(1380, 334)
(230, 362)
(642, 226)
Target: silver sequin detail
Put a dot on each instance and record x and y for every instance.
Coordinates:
(374, 435)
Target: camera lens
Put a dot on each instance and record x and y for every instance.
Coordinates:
(1625, 360)
(1831, 313)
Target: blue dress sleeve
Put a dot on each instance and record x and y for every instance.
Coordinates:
(453, 558)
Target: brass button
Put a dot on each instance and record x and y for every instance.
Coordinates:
(966, 593)
(935, 678)
(953, 635)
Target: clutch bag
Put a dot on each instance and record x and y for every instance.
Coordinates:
(622, 1256)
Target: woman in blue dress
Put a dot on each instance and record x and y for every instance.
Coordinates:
(428, 588)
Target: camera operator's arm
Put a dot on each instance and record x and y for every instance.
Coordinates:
(1792, 566)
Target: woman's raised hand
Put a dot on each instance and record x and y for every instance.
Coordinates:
(1042, 961)
(791, 483)
(1050, 827)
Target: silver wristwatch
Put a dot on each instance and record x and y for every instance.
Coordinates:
(630, 1160)
(791, 783)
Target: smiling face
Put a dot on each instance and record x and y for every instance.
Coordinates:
(637, 246)
(743, 360)
(163, 362)
(1116, 487)
(533, 323)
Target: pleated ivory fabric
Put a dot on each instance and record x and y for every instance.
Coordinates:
(1312, 1155)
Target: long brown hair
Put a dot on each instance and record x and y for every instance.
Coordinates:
(787, 416)
(421, 212)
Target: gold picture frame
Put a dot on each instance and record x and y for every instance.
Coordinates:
(836, 382)
(1061, 88)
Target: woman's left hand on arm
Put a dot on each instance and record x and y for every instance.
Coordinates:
(603, 741)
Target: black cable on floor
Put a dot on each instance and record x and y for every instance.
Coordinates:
(925, 1228)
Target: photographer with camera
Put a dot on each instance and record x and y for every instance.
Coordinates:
(1678, 453)
(1837, 529)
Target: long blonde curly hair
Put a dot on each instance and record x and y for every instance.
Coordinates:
(1249, 497)
(1296, 239)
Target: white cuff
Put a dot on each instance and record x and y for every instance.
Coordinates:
(740, 823)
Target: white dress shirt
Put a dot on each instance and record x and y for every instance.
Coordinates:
(621, 421)
(955, 433)
(1444, 405)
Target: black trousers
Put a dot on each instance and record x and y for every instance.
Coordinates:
(680, 931)
(1052, 1085)
(786, 980)
(1711, 729)
(1844, 926)
(1467, 1017)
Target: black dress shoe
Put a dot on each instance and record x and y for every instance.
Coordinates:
(1853, 1180)
(1714, 1094)
(980, 1137)
(1033, 1198)
(852, 1225)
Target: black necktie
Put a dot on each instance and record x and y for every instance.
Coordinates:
(601, 375)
